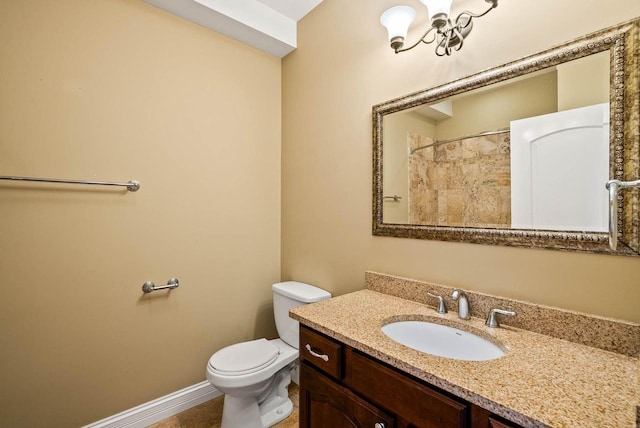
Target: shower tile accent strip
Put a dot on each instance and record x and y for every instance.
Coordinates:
(599, 332)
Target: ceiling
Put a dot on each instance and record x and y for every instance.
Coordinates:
(268, 25)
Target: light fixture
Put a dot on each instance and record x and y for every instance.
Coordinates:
(448, 35)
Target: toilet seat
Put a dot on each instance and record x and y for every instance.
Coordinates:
(227, 381)
(244, 358)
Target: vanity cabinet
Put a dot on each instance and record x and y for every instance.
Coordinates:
(342, 387)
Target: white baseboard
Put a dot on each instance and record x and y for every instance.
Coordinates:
(161, 408)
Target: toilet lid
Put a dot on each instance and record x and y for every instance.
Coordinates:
(243, 358)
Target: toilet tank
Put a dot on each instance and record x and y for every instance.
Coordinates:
(289, 295)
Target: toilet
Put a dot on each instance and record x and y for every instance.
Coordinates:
(254, 375)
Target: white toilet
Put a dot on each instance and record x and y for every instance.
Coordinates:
(254, 375)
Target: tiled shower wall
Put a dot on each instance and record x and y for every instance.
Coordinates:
(461, 183)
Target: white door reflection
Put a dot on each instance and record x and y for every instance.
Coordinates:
(559, 166)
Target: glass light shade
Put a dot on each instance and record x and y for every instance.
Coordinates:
(436, 7)
(397, 20)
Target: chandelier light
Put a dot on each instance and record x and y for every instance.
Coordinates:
(447, 34)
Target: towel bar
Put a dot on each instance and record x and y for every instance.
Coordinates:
(132, 186)
(149, 286)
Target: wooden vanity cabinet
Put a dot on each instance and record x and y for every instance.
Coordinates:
(341, 387)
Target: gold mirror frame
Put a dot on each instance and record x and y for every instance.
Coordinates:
(622, 43)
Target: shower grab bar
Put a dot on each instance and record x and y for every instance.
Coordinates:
(132, 186)
(613, 186)
(149, 286)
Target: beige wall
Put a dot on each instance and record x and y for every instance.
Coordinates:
(342, 68)
(495, 109)
(120, 90)
(584, 82)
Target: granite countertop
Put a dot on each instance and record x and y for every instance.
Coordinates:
(540, 381)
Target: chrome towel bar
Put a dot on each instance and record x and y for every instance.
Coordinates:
(613, 186)
(149, 286)
(132, 186)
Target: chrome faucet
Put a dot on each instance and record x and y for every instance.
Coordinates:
(442, 309)
(492, 320)
(463, 304)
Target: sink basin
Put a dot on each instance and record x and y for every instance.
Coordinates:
(442, 340)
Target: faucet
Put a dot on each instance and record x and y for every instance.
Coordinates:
(442, 309)
(492, 320)
(463, 304)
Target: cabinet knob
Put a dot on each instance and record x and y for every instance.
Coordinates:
(380, 425)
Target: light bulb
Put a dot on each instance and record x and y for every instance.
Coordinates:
(397, 21)
(437, 7)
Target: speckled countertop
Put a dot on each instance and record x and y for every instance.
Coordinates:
(540, 381)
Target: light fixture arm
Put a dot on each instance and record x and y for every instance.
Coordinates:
(421, 40)
(494, 4)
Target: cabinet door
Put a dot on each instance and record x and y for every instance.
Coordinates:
(325, 404)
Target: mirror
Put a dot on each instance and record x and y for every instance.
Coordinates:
(516, 155)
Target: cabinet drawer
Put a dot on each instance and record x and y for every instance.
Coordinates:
(482, 418)
(496, 423)
(320, 351)
(418, 404)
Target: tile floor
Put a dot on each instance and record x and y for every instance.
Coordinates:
(209, 414)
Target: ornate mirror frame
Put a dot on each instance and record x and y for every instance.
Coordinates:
(623, 44)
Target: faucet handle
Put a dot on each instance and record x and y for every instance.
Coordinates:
(492, 320)
(442, 309)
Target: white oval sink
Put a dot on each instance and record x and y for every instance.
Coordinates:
(442, 340)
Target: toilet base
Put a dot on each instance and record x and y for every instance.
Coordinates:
(277, 413)
(244, 412)
(263, 411)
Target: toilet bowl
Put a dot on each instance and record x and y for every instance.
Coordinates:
(255, 375)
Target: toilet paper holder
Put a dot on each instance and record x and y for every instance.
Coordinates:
(149, 286)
